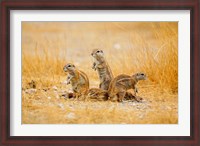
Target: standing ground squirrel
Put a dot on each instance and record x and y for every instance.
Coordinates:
(100, 64)
(122, 83)
(78, 80)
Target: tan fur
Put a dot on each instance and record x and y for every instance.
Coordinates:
(120, 84)
(100, 64)
(98, 94)
(78, 79)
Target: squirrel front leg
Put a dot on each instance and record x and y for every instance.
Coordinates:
(135, 90)
(69, 79)
(97, 65)
(94, 66)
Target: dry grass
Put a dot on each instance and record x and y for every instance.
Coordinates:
(130, 47)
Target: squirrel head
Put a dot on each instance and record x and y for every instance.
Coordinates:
(69, 67)
(97, 53)
(140, 76)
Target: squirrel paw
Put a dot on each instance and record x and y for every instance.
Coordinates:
(94, 68)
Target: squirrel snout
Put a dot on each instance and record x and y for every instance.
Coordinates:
(64, 68)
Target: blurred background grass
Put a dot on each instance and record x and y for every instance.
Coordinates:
(129, 47)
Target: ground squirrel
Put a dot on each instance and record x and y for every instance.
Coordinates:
(120, 84)
(78, 80)
(100, 64)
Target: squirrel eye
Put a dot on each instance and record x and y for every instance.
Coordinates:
(98, 51)
(142, 74)
(69, 66)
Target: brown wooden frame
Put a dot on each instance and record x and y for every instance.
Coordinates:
(192, 5)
